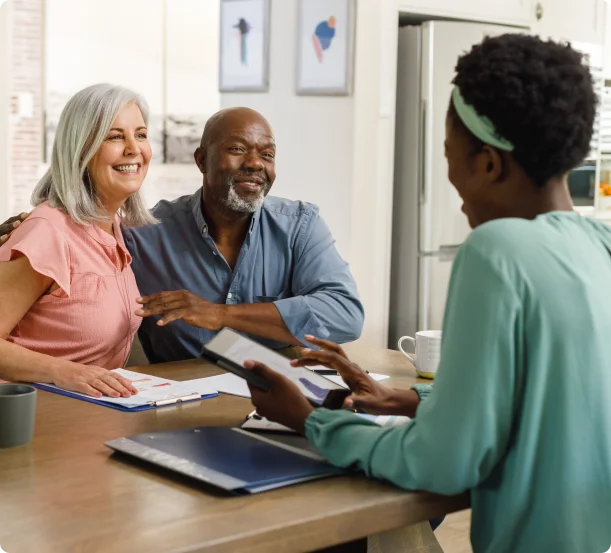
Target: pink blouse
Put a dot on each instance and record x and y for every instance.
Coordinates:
(90, 318)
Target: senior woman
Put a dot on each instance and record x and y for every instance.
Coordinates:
(520, 413)
(67, 291)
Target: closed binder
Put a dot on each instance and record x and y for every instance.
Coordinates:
(229, 458)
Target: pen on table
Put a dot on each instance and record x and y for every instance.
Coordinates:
(322, 371)
(326, 371)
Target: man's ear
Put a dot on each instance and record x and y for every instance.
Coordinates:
(200, 159)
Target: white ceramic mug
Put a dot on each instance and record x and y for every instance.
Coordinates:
(427, 345)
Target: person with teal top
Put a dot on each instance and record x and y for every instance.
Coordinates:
(520, 413)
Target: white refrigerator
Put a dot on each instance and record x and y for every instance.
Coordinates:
(428, 224)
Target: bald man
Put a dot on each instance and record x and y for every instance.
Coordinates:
(230, 255)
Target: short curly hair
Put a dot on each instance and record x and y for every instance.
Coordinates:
(539, 95)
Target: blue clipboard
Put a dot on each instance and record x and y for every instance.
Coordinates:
(138, 409)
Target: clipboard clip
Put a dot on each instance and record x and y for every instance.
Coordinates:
(169, 400)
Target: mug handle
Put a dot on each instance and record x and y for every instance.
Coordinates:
(410, 356)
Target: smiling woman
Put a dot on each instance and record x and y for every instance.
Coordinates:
(67, 291)
(118, 170)
(103, 126)
(511, 419)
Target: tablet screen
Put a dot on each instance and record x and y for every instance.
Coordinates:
(236, 348)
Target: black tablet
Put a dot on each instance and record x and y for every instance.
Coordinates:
(229, 350)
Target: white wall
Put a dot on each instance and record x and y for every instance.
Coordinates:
(314, 134)
(92, 42)
(170, 57)
(373, 160)
(191, 88)
(192, 52)
(338, 152)
(4, 110)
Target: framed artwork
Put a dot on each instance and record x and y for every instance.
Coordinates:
(325, 49)
(244, 52)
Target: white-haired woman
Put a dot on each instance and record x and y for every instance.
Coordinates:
(67, 291)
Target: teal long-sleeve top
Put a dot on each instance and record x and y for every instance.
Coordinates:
(520, 413)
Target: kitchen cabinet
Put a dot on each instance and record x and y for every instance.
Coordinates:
(572, 20)
(509, 12)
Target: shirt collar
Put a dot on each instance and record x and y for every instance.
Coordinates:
(108, 241)
(196, 209)
(200, 221)
(120, 241)
(254, 220)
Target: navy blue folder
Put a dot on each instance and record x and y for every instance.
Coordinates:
(229, 458)
(103, 403)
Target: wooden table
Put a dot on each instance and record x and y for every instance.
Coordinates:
(65, 493)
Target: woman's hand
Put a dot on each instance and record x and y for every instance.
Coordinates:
(93, 381)
(283, 402)
(367, 394)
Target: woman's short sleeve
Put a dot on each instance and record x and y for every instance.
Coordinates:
(46, 248)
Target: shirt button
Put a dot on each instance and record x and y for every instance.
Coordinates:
(205, 231)
(229, 296)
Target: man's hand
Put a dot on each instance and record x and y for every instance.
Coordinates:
(184, 305)
(367, 394)
(260, 319)
(10, 225)
(283, 402)
(94, 381)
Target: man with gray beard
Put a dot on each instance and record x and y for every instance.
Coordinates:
(231, 256)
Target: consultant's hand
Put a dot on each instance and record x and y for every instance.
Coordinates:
(184, 305)
(367, 394)
(10, 225)
(93, 381)
(283, 402)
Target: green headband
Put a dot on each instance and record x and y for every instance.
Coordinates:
(479, 125)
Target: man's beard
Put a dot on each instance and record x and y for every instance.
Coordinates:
(235, 202)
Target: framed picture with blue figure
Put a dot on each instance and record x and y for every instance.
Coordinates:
(244, 48)
(325, 47)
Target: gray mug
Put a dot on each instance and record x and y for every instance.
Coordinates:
(17, 412)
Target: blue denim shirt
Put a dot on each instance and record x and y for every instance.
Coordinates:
(288, 258)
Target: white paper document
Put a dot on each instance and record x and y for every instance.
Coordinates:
(143, 382)
(385, 420)
(152, 389)
(339, 380)
(260, 423)
(227, 384)
(156, 390)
